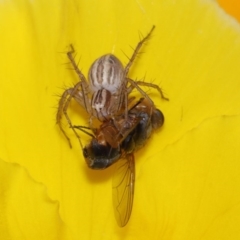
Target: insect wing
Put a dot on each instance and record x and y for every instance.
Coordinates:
(123, 189)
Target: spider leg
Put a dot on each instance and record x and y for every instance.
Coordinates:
(74, 64)
(84, 83)
(141, 83)
(60, 112)
(136, 51)
(128, 66)
(74, 92)
(134, 84)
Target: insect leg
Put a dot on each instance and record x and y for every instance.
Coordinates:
(82, 128)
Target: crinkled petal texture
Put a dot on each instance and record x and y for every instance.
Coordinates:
(188, 174)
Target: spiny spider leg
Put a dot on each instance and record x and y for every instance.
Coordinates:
(126, 70)
(131, 60)
(61, 105)
(74, 64)
(62, 109)
(78, 92)
(134, 84)
(83, 80)
(65, 107)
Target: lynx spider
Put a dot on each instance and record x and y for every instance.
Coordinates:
(106, 94)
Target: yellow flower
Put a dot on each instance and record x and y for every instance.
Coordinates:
(187, 179)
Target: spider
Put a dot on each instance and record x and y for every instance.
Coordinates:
(107, 93)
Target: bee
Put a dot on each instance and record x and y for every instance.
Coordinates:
(115, 142)
(106, 95)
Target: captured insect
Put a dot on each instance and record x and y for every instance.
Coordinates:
(114, 143)
(106, 95)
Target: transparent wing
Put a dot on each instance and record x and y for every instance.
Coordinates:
(123, 189)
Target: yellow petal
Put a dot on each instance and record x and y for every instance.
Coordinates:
(187, 174)
(25, 209)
